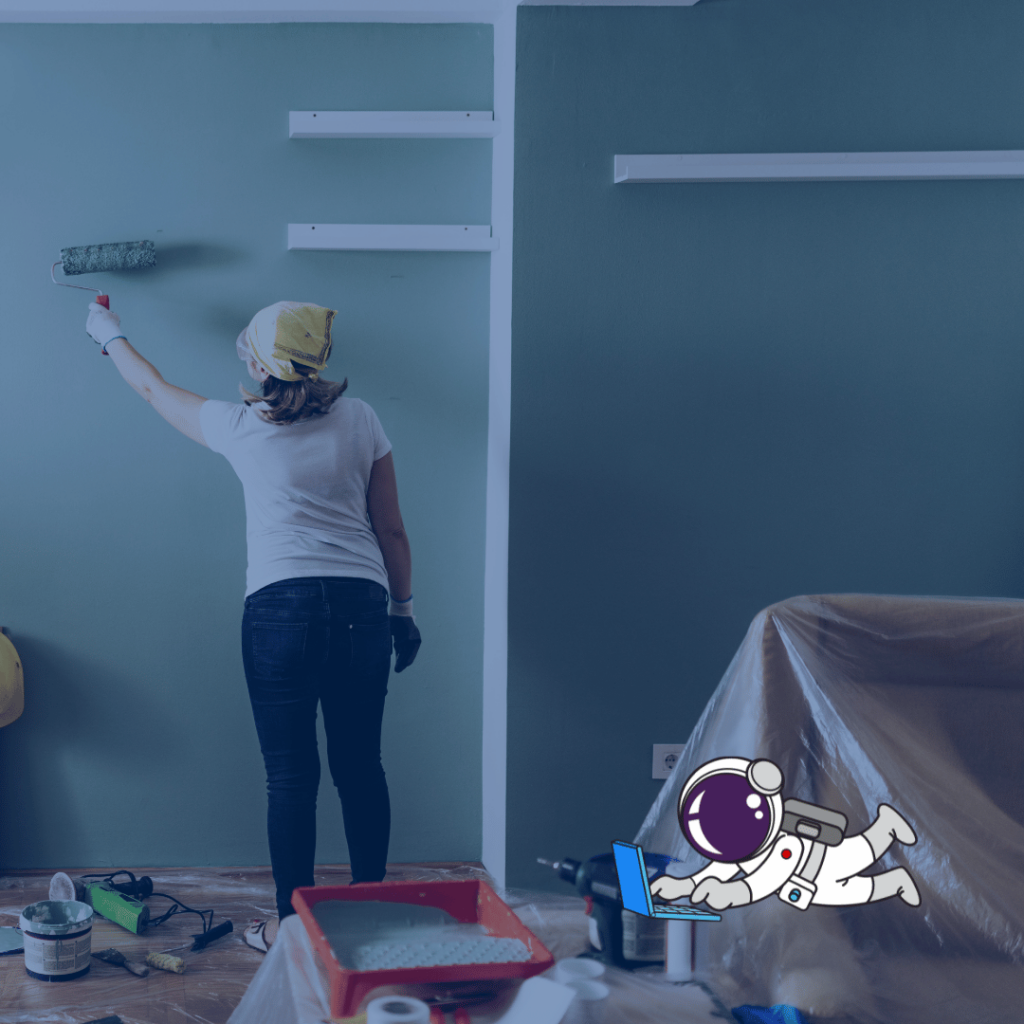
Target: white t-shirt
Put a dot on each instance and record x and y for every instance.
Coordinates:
(305, 489)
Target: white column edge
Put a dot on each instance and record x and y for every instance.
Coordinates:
(495, 661)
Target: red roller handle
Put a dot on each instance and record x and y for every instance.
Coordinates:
(104, 301)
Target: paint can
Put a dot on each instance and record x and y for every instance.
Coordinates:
(58, 939)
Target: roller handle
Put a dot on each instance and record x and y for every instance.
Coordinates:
(104, 301)
(204, 938)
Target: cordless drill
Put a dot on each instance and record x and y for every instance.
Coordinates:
(620, 937)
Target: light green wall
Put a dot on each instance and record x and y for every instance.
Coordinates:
(122, 549)
(724, 395)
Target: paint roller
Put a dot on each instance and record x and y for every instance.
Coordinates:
(90, 259)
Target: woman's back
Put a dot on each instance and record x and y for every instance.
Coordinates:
(305, 489)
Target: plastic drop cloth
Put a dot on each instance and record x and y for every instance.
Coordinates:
(862, 700)
(216, 978)
(292, 987)
(288, 985)
(214, 981)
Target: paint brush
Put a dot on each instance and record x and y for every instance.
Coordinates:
(116, 957)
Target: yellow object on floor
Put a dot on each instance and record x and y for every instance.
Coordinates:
(12, 683)
(164, 962)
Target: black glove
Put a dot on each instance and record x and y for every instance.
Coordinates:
(407, 640)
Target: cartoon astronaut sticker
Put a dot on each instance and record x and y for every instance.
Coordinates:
(732, 811)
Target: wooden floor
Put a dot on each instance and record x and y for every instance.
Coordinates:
(215, 978)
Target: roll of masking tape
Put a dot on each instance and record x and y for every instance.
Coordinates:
(577, 969)
(397, 1010)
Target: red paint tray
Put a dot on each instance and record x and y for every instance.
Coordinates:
(469, 902)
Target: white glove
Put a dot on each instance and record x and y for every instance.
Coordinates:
(103, 326)
(669, 888)
(721, 895)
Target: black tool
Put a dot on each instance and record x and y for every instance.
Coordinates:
(597, 881)
(203, 939)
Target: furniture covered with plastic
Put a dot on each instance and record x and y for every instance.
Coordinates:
(861, 700)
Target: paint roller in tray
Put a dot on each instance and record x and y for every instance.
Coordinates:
(91, 259)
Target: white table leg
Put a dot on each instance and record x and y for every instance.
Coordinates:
(678, 947)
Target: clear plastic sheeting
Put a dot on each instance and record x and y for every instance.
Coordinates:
(215, 979)
(292, 986)
(861, 700)
(288, 985)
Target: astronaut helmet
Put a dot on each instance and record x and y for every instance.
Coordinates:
(730, 809)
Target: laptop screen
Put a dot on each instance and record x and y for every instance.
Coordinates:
(636, 894)
(636, 890)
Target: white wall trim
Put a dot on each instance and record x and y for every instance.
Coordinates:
(254, 12)
(392, 124)
(495, 667)
(608, 3)
(916, 166)
(394, 237)
(248, 11)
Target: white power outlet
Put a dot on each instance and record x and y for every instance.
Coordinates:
(665, 757)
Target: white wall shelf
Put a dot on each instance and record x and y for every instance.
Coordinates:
(391, 124)
(397, 237)
(688, 167)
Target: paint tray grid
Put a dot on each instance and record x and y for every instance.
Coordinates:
(378, 956)
(377, 936)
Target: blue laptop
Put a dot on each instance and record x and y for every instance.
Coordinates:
(636, 891)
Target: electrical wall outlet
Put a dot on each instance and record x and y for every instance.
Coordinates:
(665, 757)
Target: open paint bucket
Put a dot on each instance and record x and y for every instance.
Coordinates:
(58, 939)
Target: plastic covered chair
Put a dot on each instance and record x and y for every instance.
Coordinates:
(863, 700)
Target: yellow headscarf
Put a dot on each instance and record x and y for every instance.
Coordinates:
(291, 331)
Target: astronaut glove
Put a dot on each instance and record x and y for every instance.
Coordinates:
(721, 895)
(669, 888)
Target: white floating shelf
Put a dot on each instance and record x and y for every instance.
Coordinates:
(1007, 163)
(401, 237)
(391, 124)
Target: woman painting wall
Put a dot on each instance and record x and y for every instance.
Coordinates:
(326, 551)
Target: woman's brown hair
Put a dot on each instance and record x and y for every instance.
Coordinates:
(288, 401)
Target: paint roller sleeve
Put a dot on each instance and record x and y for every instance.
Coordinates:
(89, 259)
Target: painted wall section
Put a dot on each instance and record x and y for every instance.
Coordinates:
(728, 394)
(122, 550)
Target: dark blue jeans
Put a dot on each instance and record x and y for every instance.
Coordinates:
(320, 640)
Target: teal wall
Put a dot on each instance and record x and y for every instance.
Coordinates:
(729, 394)
(122, 548)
